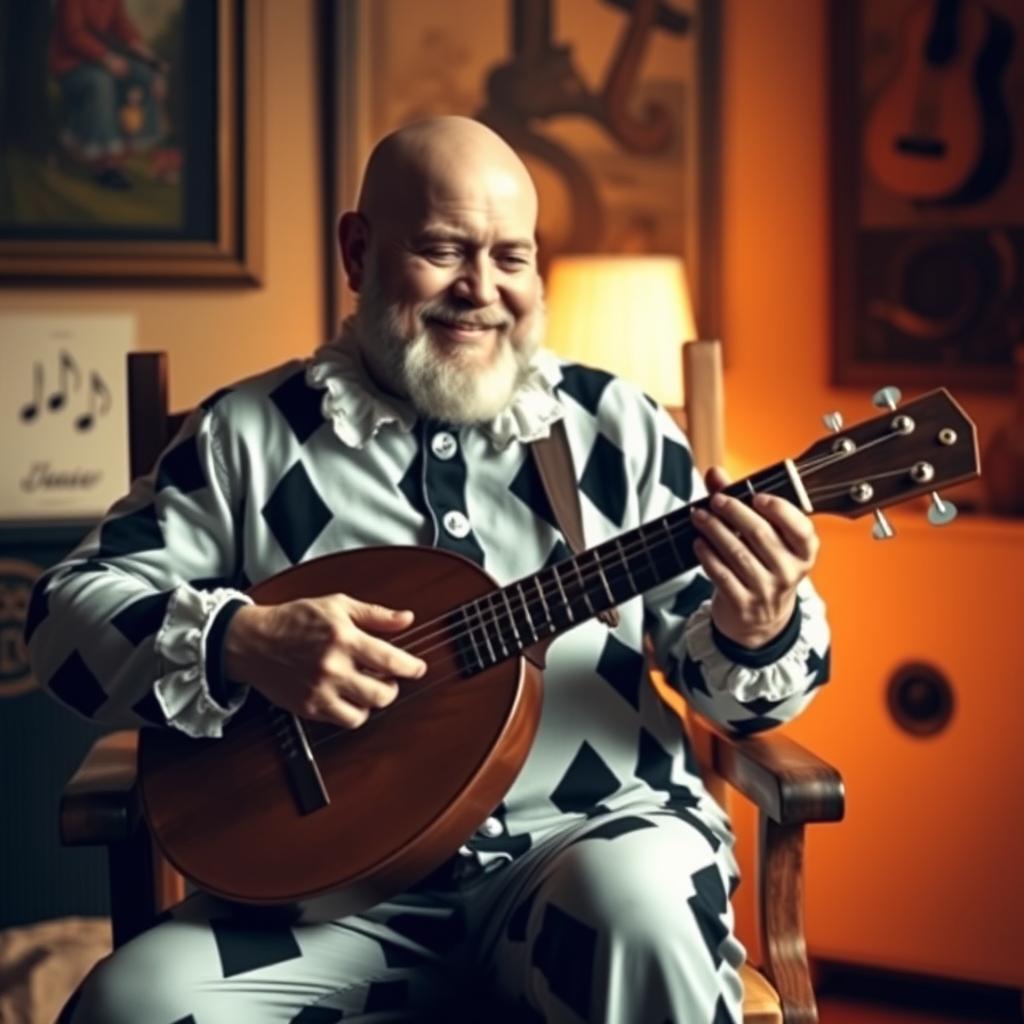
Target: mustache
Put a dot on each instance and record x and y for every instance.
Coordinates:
(453, 316)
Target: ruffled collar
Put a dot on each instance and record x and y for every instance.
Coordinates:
(357, 409)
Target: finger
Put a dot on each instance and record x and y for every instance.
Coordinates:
(377, 616)
(734, 552)
(759, 535)
(329, 706)
(716, 478)
(795, 528)
(367, 692)
(387, 659)
(724, 579)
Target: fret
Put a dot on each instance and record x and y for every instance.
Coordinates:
(583, 587)
(472, 639)
(483, 630)
(604, 579)
(544, 602)
(655, 569)
(526, 612)
(496, 621)
(511, 617)
(625, 565)
(668, 531)
(561, 590)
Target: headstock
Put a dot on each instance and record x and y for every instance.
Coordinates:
(907, 451)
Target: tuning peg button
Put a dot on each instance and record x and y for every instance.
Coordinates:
(834, 421)
(941, 512)
(887, 397)
(882, 530)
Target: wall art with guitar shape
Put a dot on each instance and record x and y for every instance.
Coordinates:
(928, 185)
(256, 815)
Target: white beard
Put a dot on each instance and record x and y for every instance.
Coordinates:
(441, 384)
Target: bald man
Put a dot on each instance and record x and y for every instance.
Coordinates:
(598, 890)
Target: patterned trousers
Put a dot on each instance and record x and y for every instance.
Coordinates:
(623, 919)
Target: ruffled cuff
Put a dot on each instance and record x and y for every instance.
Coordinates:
(782, 678)
(184, 689)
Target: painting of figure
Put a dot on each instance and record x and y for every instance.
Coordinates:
(92, 118)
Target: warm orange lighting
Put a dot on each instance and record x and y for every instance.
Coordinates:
(625, 314)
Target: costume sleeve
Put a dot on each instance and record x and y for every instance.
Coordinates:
(119, 630)
(745, 690)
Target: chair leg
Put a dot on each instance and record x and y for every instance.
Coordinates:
(142, 885)
(780, 915)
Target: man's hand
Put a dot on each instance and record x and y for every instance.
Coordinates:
(755, 557)
(315, 658)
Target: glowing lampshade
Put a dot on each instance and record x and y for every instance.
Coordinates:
(625, 314)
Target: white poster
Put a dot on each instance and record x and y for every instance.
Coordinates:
(63, 399)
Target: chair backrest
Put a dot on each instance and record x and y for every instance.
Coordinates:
(704, 401)
(150, 424)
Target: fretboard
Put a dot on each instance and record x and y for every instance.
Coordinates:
(503, 623)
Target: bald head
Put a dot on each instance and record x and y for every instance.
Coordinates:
(439, 160)
(443, 254)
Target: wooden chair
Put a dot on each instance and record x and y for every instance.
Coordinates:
(789, 785)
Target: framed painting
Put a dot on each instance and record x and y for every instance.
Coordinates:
(612, 104)
(928, 191)
(130, 140)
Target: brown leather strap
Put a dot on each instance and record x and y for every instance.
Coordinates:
(553, 459)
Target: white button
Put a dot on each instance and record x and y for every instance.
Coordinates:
(492, 828)
(456, 524)
(444, 445)
(465, 851)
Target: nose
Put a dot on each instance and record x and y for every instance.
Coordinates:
(476, 282)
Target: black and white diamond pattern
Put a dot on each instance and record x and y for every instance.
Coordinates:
(692, 596)
(131, 534)
(604, 479)
(623, 668)
(143, 617)
(585, 384)
(528, 487)
(180, 467)
(676, 469)
(708, 905)
(299, 404)
(819, 667)
(295, 513)
(587, 781)
(74, 684)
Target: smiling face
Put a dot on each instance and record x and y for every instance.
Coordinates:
(443, 256)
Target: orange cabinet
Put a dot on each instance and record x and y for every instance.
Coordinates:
(927, 871)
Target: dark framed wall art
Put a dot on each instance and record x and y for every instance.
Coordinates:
(613, 105)
(927, 153)
(130, 140)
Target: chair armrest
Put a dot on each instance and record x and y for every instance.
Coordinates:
(99, 804)
(785, 780)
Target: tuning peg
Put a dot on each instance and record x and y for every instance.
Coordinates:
(941, 512)
(834, 421)
(882, 530)
(887, 398)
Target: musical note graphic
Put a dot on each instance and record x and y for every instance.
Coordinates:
(30, 410)
(68, 367)
(99, 402)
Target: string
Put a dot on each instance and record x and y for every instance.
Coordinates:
(681, 530)
(593, 572)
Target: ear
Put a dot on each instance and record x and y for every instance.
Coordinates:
(353, 240)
